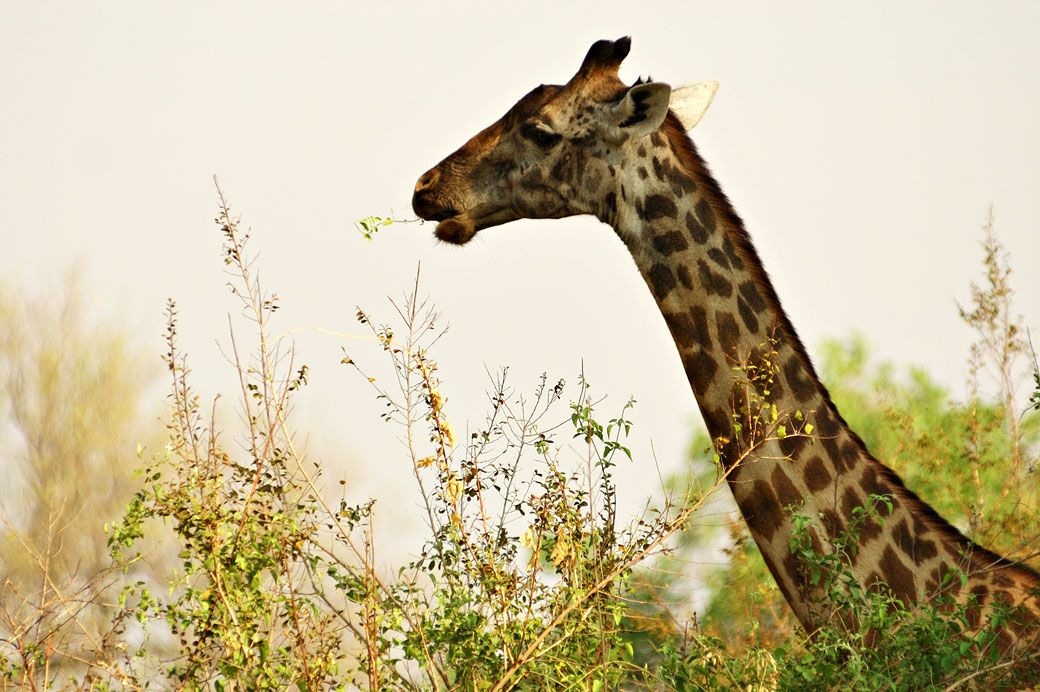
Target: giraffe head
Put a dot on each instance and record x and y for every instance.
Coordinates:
(555, 152)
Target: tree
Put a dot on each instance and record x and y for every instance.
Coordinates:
(71, 415)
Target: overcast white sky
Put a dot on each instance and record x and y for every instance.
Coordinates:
(862, 145)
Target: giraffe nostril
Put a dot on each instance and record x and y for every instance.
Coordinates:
(428, 180)
(426, 202)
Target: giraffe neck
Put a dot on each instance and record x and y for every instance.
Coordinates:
(729, 329)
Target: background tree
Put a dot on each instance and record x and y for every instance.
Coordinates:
(71, 416)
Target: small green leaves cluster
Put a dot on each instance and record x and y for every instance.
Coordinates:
(370, 225)
(753, 409)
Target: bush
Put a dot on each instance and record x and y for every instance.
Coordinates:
(526, 579)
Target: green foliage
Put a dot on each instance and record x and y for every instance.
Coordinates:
(520, 584)
(959, 456)
(526, 578)
(955, 455)
(750, 611)
(875, 642)
(370, 225)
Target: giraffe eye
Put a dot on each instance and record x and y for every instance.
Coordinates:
(540, 135)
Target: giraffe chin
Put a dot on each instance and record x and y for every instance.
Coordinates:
(458, 230)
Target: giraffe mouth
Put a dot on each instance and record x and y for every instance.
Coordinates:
(453, 226)
(459, 227)
(440, 215)
(456, 229)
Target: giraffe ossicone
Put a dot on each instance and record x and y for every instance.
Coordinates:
(600, 147)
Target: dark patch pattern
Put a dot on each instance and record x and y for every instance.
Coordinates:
(827, 430)
(801, 386)
(715, 419)
(662, 281)
(973, 614)
(705, 215)
(816, 475)
(729, 333)
(786, 493)
(727, 247)
(830, 448)
(792, 446)
(844, 457)
(700, 371)
(684, 276)
(718, 257)
(659, 170)
(697, 231)
(876, 583)
(850, 500)
(656, 207)
(762, 511)
(870, 529)
(748, 315)
(899, 579)
(713, 282)
(870, 482)
(749, 290)
(945, 579)
(913, 546)
(926, 548)
(832, 523)
(904, 541)
(796, 570)
(1004, 641)
(826, 425)
(672, 241)
(667, 172)
(681, 326)
(700, 326)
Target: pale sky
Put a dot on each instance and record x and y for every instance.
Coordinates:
(861, 144)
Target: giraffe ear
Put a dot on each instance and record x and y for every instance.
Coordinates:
(642, 110)
(690, 102)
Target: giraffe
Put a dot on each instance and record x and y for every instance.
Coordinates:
(620, 153)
